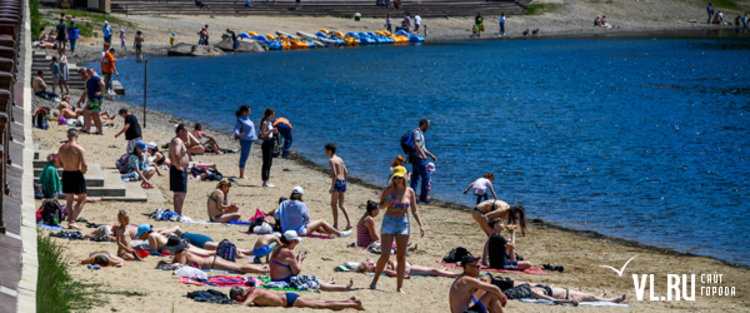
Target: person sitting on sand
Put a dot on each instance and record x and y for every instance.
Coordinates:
(218, 209)
(159, 159)
(266, 298)
(468, 294)
(185, 257)
(286, 267)
(604, 22)
(598, 21)
(122, 237)
(368, 266)
(265, 245)
(489, 209)
(293, 215)
(194, 145)
(138, 168)
(526, 33)
(101, 258)
(502, 253)
(198, 134)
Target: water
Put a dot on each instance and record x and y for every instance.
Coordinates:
(644, 139)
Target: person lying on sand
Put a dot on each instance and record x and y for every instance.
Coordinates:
(69, 113)
(561, 295)
(286, 267)
(266, 298)
(156, 241)
(101, 258)
(184, 257)
(468, 294)
(133, 229)
(198, 134)
(368, 266)
(219, 211)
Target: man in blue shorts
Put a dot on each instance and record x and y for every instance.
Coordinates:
(266, 298)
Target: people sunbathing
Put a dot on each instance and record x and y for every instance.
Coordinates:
(558, 295)
(198, 134)
(185, 257)
(368, 266)
(105, 230)
(266, 298)
(157, 158)
(286, 267)
(219, 210)
(101, 258)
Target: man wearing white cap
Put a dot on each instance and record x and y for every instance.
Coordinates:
(107, 30)
(293, 215)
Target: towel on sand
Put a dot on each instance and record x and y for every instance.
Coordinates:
(547, 302)
(308, 235)
(222, 281)
(533, 270)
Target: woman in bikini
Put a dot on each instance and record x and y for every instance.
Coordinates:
(486, 210)
(218, 209)
(366, 234)
(398, 198)
(185, 257)
(368, 266)
(69, 113)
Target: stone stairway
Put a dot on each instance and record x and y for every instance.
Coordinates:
(101, 182)
(42, 59)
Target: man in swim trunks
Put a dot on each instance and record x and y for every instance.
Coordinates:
(72, 158)
(94, 91)
(468, 294)
(339, 174)
(178, 171)
(265, 245)
(266, 298)
(199, 135)
(101, 258)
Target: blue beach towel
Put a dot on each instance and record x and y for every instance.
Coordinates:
(45, 226)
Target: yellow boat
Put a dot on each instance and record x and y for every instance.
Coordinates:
(299, 44)
(350, 41)
(252, 34)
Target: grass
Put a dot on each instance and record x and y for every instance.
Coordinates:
(541, 8)
(90, 28)
(37, 20)
(57, 291)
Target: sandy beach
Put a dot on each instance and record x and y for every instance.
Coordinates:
(139, 287)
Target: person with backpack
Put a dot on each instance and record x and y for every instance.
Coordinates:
(73, 34)
(413, 144)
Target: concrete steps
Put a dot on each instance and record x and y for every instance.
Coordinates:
(105, 183)
(41, 61)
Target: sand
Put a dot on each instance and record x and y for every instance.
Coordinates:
(139, 287)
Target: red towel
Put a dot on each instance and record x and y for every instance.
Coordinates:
(533, 270)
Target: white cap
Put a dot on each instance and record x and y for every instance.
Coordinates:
(292, 235)
(105, 22)
(298, 190)
(151, 145)
(431, 167)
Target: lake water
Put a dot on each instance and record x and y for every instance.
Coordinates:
(644, 139)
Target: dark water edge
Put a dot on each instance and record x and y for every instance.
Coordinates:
(668, 35)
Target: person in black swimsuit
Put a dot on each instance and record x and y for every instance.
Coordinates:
(266, 298)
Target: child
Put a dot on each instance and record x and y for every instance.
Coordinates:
(479, 187)
(56, 75)
(139, 45)
(171, 40)
(339, 174)
(502, 253)
(431, 169)
(265, 245)
(122, 40)
(124, 250)
(425, 31)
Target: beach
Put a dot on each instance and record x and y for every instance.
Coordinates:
(138, 286)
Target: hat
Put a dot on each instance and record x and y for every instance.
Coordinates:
(298, 190)
(430, 167)
(105, 22)
(174, 245)
(466, 259)
(140, 144)
(173, 34)
(399, 171)
(143, 228)
(292, 235)
(151, 145)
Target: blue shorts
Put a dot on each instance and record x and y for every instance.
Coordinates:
(290, 298)
(197, 240)
(510, 265)
(264, 250)
(395, 226)
(339, 186)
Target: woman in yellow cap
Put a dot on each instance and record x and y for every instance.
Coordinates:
(398, 197)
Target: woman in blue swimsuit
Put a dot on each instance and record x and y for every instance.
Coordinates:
(397, 197)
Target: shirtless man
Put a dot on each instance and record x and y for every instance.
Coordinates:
(101, 258)
(265, 245)
(178, 171)
(182, 256)
(199, 135)
(219, 211)
(122, 236)
(339, 174)
(266, 298)
(468, 294)
(561, 295)
(72, 158)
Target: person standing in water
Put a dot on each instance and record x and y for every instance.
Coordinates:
(139, 45)
(339, 175)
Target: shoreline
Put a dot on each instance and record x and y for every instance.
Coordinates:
(294, 156)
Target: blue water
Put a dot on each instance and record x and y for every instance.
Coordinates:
(644, 139)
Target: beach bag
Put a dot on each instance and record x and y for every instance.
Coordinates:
(227, 250)
(38, 192)
(520, 292)
(51, 212)
(258, 221)
(40, 118)
(407, 144)
(455, 255)
(122, 163)
(214, 176)
(503, 284)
